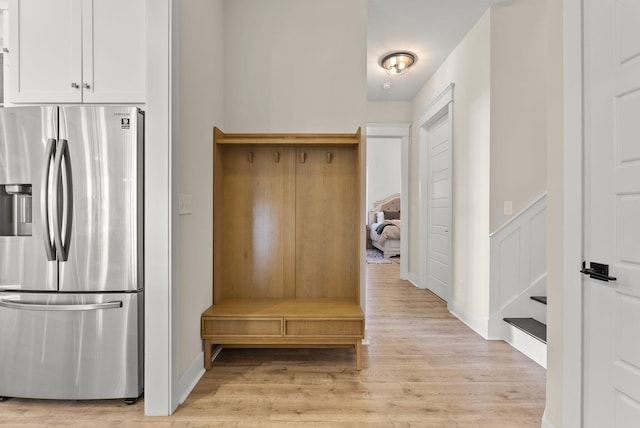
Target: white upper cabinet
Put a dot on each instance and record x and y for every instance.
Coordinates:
(113, 54)
(77, 51)
(45, 51)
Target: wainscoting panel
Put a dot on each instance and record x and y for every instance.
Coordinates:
(518, 267)
(509, 270)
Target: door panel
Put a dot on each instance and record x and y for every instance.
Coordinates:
(106, 237)
(46, 57)
(439, 218)
(23, 138)
(627, 410)
(612, 198)
(113, 55)
(89, 350)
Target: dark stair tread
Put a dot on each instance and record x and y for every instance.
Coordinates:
(541, 299)
(530, 326)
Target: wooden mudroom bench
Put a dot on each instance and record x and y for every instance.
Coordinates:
(287, 242)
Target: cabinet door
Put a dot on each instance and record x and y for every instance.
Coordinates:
(46, 57)
(113, 51)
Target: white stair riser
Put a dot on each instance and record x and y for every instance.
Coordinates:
(538, 311)
(528, 345)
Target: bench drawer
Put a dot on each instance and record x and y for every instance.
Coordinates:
(326, 328)
(242, 327)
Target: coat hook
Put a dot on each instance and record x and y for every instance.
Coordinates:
(329, 157)
(250, 156)
(277, 156)
(303, 157)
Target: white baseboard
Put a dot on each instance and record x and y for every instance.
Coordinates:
(545, 421)
(477, 324)
(365, 340)
(190, 377)
(413, 279)
(529, 346)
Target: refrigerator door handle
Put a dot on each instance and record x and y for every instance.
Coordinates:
(43, 307)
(62, 154)
(44, 199)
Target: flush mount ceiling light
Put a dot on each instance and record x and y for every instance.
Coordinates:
(398, 62)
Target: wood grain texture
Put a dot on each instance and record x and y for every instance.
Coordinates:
(309, 308)
(218, 218)
(284, 322)
(254, 222)
(327, 223)
(296, 139)
(423, 368)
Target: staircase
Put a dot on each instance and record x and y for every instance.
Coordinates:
(518, 282)
(529, 335)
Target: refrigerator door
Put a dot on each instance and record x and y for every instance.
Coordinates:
(101, 233)
(71, 346)
(25, 135)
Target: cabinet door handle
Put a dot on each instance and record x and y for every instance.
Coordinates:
(86, 86)
(74, 85)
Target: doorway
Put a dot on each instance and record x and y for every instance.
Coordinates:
(380, 135)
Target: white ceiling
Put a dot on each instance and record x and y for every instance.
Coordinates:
(429, 28)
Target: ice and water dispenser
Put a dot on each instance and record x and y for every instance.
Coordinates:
(15, 209)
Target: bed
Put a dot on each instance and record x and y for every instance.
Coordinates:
(384, 225)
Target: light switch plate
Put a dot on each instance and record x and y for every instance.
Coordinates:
(186, 204)
(508, 207)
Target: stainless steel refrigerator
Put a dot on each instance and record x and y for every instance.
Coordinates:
(71, 252)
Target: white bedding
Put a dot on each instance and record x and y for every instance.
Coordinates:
(372, 231)
(392, 231)
(389, 241)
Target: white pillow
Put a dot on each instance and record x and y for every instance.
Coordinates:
(379, 217)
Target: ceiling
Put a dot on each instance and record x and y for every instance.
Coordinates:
(429, 28)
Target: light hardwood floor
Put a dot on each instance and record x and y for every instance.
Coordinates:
(422, 368)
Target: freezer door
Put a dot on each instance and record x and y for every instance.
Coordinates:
(71, 346)
(25, 135)
(105, 246)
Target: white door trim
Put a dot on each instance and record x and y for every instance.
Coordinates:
(440, 106)
(572, 344)
(160, 384)
(402, 131)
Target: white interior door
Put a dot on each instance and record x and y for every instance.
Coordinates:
(612, 212)
(439, 206)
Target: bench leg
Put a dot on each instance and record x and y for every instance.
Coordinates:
(207, 355)
(358, 354)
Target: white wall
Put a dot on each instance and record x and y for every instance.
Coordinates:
(518, 106)
(389, 112)
(383, 168)
(555, 211)
(295, 65)
(468, 67)
(201, 108)
(499, 139)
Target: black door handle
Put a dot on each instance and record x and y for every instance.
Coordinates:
(597, 271)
